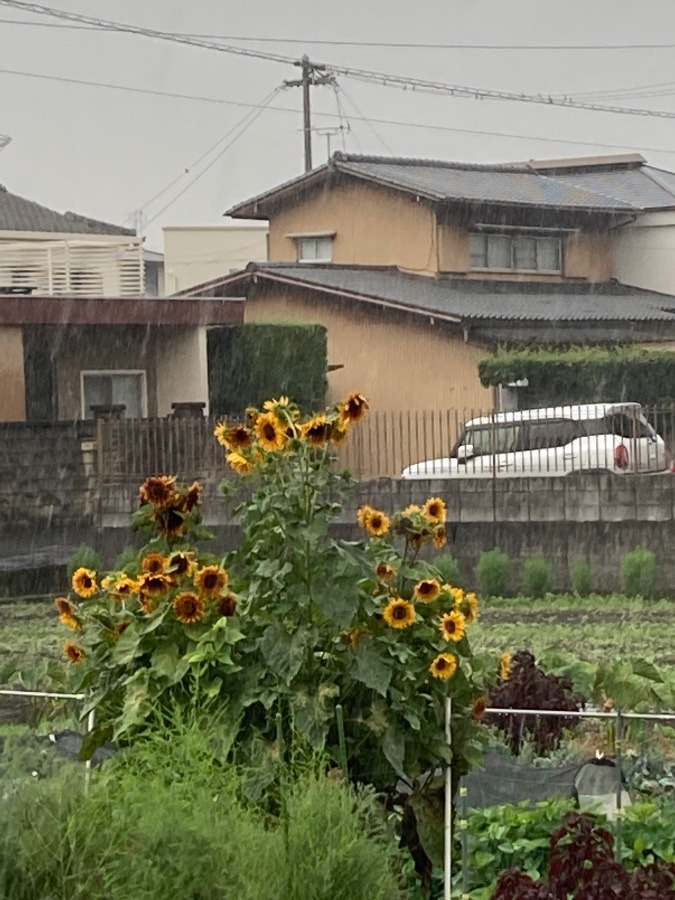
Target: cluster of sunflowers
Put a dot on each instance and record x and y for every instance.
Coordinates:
(449, 608)
(279, 426)
(166, 506)
(195, 591)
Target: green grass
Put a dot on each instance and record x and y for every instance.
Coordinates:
(592, 629)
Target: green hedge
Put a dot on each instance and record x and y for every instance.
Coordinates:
(251, 363)
(585, 374)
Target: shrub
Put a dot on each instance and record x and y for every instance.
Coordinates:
(523, 685)
(494, 573)
(638, 572)
(582, 578)
(448, 566)
(538, 576)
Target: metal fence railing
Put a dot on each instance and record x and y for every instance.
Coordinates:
(436, 444)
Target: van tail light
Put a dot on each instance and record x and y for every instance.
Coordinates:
(621, 457)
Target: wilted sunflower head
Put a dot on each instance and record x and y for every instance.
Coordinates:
(239, 463)
(64, 607)
(440, 537)
(270, 432)
(160, 490)
(226, 605)
(193, 497)
(452, 626)
(153, 563)
(282, 409)
(364, 514)
(428, 590)
(70, 621)
(182, 562)
(478, 708)
(354, 408)
(468, 606)
(124, 587)
(74, 652)
(188, 607)
(399, 613)
(505, 666)
(444, 666)
(435, 510)
(385, 571)
(317, 431)
(84, 582)
(378, 524)
(340, 430)
(232, 437)
(154, 583)
(211, 580)
(170, 521)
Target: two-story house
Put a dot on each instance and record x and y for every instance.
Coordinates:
(417, 268)
(82, 331)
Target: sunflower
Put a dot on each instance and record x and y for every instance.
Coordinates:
(435, 510)
(354, 407)
(70, 621)
(456, 593)
(505, 666)
(211, 580)
(160, 490)
(339, 431)
(385, 572)
(124, 587)
(478, 709)
(353, 637)
(317, 431)
(74, 652)
(64, 607)
(148, 604)
(271, 435)
(150, 583)
(226, 605)
(444, 666)
(398, 613)
(378, 523)
(232, 437)
(282, 409)
(428, 590)
(189, 608)
(239, 463)
(364, 514)
(452, 626)
(180, 563)
(154, 563)
(440, 537)
(468, 606)
(84, 582)
(193, 497)
(411, 510)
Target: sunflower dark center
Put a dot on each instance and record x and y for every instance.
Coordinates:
(399, 612)
(210, 581)
(180, 564)
(376, 521)
(269, 432)
(86, 581)
(442, 664)
(450, 626)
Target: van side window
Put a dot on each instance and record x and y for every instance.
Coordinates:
(547, 434)
(626, 426)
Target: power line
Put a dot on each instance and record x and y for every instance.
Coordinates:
(288, 110)
(404, 45)
(367, 121)
(383, 78)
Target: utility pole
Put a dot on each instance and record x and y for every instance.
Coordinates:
(312, 75)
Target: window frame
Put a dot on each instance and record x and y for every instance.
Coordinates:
(111, 372)
(513, 237)
(316, 239)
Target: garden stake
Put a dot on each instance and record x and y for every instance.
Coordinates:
(341, 740)
(619, 783)
(464, 826)
(447, 855)
(91, 722)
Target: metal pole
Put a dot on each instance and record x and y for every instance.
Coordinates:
(91, 722)
(447, 848)
(618, 742)
(464, 825)
(306, 112)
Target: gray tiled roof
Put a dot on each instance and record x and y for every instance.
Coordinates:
(475, 301)
(601, 186)
(19, 214)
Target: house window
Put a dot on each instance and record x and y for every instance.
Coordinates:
(315, 249)
(516, 252)
(126, 388)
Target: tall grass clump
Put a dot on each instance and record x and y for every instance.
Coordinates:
(582, 578)
(170, 818)
(494, 573)
(448, 566)
(537, 577)
(638, 572)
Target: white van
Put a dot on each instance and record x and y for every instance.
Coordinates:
(609, 437)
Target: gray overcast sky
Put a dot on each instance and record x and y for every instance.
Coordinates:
(104, 153)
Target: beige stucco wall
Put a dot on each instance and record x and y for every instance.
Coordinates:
(588, 255)
(422, 381)
(130, 347)
(12, 384)
(373, 226)
(193, 255)
(644, 254)
(181, 367)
